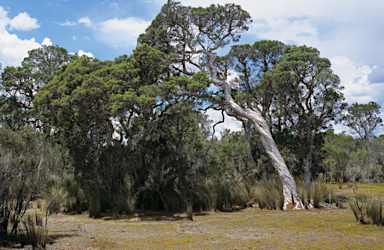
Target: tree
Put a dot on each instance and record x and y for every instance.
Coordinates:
(338, 150)
(103, 110)
(19, 85)
(195, 34)
(363, 119)
(309, 92)
(250, 63)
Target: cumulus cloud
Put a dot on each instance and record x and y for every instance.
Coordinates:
(355, 78)
(46, 42)
(23, 22)
(12, 48)
(82, 53)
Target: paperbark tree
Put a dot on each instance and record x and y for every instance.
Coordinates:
(362, 119)
(250, 62)
(311, 94)
(195, 34)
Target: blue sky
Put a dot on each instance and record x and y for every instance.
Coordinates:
(349, 33)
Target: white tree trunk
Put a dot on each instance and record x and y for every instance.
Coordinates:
(289, 186)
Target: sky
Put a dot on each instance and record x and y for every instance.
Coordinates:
(349, 33)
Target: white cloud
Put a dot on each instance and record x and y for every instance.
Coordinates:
(23, 22)
(85, 20)
(67, 23)
(355, 78)
(121, 32)
(82, 53)
(74, 38)
(116, 33)
(46, 42)
(12, 48)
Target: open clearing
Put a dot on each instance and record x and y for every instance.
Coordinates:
(251, 228)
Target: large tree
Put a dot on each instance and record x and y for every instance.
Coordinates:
(250, 62)
(309, 93)
(362, 119)
(195, 34)
(103, 110)
(19, 85)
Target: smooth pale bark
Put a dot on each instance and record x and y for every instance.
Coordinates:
(261, 126)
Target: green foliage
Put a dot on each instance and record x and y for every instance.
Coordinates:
(19, 86)
(363, 119)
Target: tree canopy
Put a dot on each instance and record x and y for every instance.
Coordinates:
(362, 119)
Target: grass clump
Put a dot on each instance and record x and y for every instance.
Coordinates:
(319, 193)
(269, 195)
(35, 232)
(374, 210)
(190, 211)
(367, 210)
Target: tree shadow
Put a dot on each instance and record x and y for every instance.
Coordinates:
(15, 241)
(153, 216)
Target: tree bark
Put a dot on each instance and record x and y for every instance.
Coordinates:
(308, 165)
(307, 170)
(261, 126)
(247, 133)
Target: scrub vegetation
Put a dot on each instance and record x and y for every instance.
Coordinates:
(121, 154)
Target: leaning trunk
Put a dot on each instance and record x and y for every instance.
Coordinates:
(261, 126)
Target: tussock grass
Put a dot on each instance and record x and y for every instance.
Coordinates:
(35, 233)
(319, 193)
(374, 210)
(269, 195)
(190, 211)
